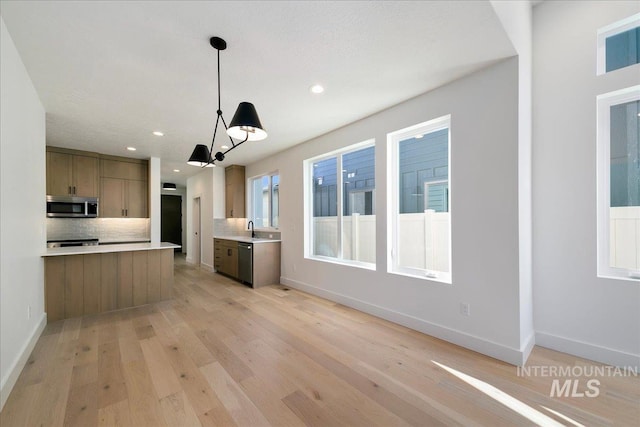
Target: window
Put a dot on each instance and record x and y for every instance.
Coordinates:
(419, 208)
(619, 45)
(340, 194)
(265, 201)
(619, 184)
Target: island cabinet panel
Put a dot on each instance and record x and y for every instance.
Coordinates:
(77, 285)
(154, 276)
(109, 282)
(91, 285)
(166, 280)
(140, 277)
(73, 282)
(54, 288)
(125, 279)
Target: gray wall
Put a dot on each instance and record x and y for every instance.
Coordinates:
(22, 218)
(574, 310)
(484, 130)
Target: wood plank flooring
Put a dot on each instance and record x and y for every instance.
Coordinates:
(221, 354)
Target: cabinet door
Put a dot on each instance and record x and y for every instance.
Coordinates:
(112, 198)
(136, 206)
(59, 173)
(234, 191)
(232, 260)
(85, 176)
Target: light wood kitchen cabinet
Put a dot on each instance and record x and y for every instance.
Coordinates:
(123, 198)
(72, 173)
(78, 285)
(123, 189)
(226, 257)
(234, 194)
(265, 261)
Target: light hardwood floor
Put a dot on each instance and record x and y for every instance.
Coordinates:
(223, 354)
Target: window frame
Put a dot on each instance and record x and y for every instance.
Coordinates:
(608, 31)
(393, 197)
(604, 103)
(309, 235)
(251, 204)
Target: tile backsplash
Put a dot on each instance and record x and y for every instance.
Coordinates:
(105, 229)
(238, 227)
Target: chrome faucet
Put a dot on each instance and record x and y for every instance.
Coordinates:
(250, 227)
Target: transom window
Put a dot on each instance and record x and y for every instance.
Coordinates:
(619, 45)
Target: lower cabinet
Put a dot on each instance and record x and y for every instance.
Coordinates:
(78, 285)
(226, 257)
(264, 261)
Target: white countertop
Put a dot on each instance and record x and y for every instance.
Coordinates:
(246, 239)
(103, 249)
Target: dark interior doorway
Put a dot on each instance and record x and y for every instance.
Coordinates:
(171, 219)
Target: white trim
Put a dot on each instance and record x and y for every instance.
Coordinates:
(9, 381)
(393, 205)
(589, 351)
(611, 30)
(603, 164)
(502, 352)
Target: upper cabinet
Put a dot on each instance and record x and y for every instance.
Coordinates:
(72, 173)
(124, 188)
(234, 191)
(121, 183)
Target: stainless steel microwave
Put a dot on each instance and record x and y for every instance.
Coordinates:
(72, 207)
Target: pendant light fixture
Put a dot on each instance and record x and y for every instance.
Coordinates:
(169, 186)
(245, 124)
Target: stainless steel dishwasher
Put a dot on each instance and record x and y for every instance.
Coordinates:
(245, 262)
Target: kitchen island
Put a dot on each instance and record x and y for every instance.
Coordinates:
(84, 280)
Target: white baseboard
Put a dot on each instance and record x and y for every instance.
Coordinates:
(16, 368)
(528, 347)
(207, 266)
(593, 352)
(498, 351)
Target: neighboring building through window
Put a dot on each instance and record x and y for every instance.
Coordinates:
(619, 184)
(619, 45)
(265, 200)
(341, 220)
(419, 205)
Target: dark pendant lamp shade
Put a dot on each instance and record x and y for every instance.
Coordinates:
(169, 186)
(200, 157)
(245, 124)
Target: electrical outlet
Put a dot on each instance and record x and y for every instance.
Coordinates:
(465, 309)
(294, 268)
(28, 312)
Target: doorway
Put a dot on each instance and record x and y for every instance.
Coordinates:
(171, 219)
(197, 241)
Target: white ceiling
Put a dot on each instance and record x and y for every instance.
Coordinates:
(109, 73)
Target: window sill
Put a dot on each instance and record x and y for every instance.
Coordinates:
(613, 276)
(348, 263)
(443, 280)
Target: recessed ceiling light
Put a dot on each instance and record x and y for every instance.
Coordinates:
(316, 89)
(225, 147)
(176, 170)
(158, 133)
(131, 148)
